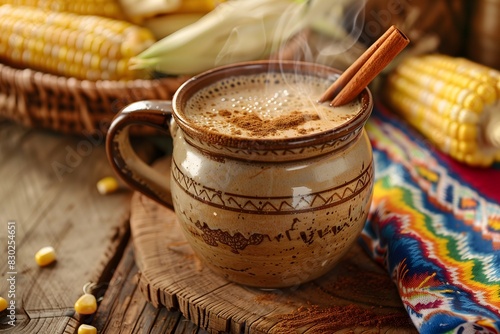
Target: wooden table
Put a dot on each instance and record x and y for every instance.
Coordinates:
(48, 193)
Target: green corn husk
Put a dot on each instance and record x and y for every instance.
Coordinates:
(236, 30)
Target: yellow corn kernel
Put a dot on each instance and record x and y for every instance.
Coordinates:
(451, 128)
(45, 256)
(448, 145)
(467, 132)
(86, 304)
(3, 304)
(488, 93)
(107, 185)
(466, 146)
(42, 40)
(478, 159)
(473, 102)
(87, 329)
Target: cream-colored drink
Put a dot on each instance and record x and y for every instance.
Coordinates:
(267, 105)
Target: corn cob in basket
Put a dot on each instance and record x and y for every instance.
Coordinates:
(453, 102)
(71, 45)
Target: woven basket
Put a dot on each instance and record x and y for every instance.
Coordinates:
(71, 106)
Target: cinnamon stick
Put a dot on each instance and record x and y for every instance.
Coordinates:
(352, 81)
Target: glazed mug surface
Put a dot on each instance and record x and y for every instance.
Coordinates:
(269, 192)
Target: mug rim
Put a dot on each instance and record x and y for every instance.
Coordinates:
(197, 82)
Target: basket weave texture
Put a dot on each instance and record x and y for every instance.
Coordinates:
(71, 106)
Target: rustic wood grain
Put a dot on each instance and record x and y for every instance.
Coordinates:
(61, 208)
(171, 276)
(125, 310)
(63, 325)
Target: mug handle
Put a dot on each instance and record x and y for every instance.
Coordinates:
(124, 160)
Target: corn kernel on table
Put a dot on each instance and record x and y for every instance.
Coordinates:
(49, 198)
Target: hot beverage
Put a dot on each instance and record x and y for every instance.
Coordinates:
(267, 105)
(270, 187)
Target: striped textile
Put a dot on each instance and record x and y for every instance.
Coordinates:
(435, 226)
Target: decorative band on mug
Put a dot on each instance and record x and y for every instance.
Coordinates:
(277, 205)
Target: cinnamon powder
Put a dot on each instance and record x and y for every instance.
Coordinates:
(261, 128)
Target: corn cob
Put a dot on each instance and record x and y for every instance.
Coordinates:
(81, 46)
(105, 8)
(453, 102)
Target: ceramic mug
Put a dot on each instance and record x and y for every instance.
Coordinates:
(267, 210)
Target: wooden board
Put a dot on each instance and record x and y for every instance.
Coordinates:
(357, 296)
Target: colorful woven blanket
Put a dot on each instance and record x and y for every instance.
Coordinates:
(435, 226)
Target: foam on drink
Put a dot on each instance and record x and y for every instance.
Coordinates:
(267, 105)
